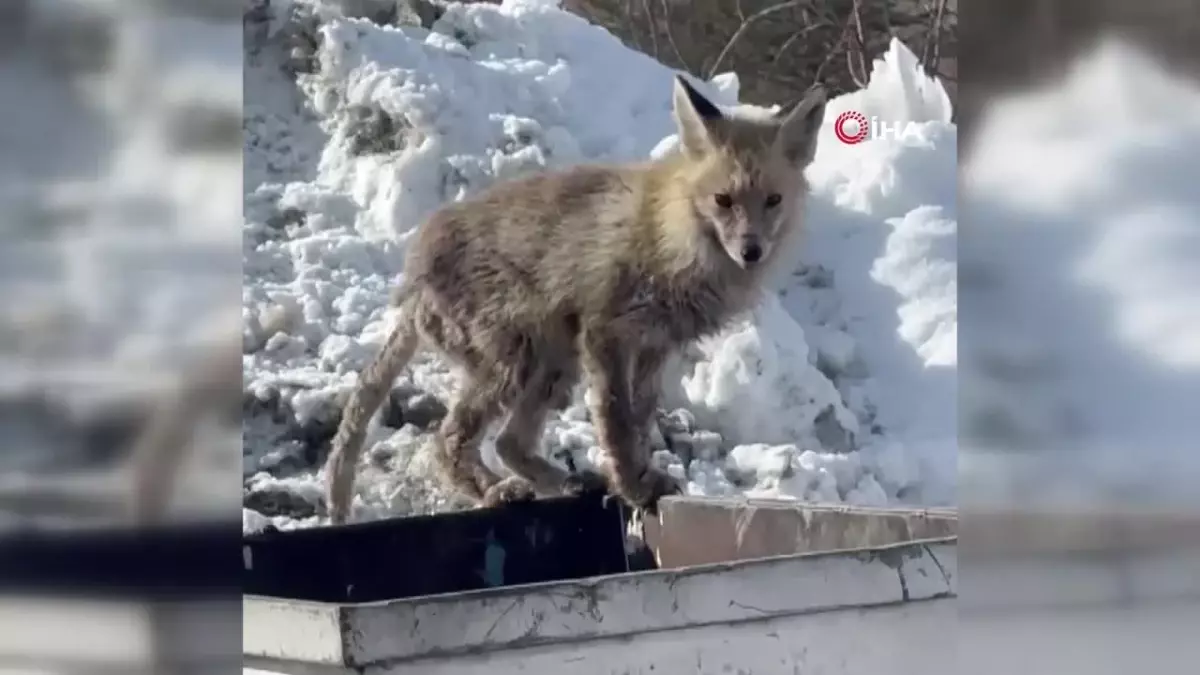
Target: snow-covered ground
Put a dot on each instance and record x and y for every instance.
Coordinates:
(840, 388)
(119, 176)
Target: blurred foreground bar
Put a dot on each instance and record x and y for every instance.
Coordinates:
(1090, 592)
(119, 251)
(87, 635)
(145, 600)
(175, 561)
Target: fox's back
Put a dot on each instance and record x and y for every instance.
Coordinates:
(524, 250)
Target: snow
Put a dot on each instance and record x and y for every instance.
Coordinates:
(1084, 316)
(118, 179)
(839, 388)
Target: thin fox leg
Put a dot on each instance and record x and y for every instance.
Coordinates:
(517, 444)
(621, 433)
(373, 385)
(457, 440)
(645, 385)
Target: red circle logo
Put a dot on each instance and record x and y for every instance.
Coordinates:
(850, 127)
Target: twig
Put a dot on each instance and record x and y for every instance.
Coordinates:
(809, 26)
(860, 77)
(671, 37)
(633, 34)
(931, 52)
(833, 52)
(930, 31)
(653, 27)
(737, 35)
(937, 32)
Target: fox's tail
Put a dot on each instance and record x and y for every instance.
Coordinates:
(374, 382)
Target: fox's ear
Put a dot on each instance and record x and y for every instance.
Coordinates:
(695, 116)
(797, 135)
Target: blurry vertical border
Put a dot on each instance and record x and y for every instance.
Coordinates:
(118, 277)
(1078, 393)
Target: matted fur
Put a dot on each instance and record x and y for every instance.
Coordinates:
(597, 270)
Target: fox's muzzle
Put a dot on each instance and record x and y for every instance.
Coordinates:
(751, 252)
(747, 251)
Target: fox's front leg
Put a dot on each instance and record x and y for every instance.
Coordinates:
(621, 431)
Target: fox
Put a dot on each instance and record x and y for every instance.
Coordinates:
(594, 273)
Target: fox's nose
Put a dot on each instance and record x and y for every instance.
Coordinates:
(751, 252)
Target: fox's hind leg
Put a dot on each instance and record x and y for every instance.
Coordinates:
(477, 404)
(457, 440)
(518, 442)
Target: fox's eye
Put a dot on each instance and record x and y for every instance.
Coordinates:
(773, 200)
(723, 200)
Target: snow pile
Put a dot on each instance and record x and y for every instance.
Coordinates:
(1085, 319)
(839, 388)
(118, 181)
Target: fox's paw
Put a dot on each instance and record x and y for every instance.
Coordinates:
(585, 482)
(470, 480)
(644, 490)
(338, 516)
(507, 491)
(483, 480)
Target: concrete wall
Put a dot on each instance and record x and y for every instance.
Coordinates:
(850, 610)
(897, 639)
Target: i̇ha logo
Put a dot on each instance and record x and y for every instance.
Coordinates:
(851, 127)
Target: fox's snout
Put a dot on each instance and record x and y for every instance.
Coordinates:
(752, 251)
(746, 250)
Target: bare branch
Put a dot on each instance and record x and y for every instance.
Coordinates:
(831, 53)
(937, 37)
(810, 24)
(653, 26)
(931, 52)
(737, 35)
(671, 37)
(633, 34)
(782, 45)
(792, 38)
(860, 75)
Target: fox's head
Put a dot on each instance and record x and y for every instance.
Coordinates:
(746, 176)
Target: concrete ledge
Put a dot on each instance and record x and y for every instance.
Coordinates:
(436, 554)
(701, 530)
(769, 576)
(900, 639)
(604, 607)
